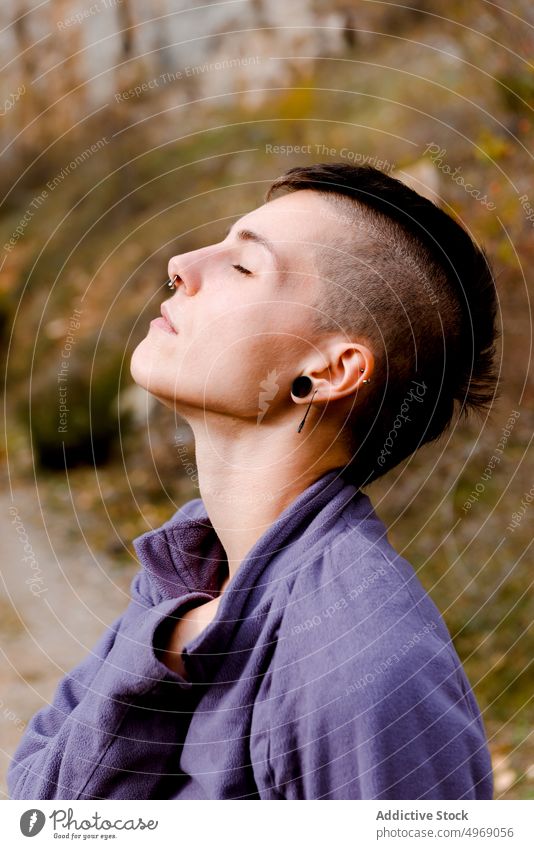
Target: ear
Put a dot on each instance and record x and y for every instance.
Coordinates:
(348, 366)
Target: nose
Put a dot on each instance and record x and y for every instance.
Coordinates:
(188, 269)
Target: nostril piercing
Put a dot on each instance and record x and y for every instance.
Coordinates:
(171, 282)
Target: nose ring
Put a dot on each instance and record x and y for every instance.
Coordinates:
(171, 282)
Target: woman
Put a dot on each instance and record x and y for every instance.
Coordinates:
(276, 646)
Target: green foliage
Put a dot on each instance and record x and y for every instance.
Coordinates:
(85, 432)
(517, 90)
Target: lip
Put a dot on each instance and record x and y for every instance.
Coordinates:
(166, 324)
(162, 324)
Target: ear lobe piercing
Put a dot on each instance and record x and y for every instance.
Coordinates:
(301, 387)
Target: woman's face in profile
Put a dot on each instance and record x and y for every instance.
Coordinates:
(241, 310)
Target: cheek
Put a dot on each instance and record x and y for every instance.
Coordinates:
(239, 364)
(225, 353)
(240, 347)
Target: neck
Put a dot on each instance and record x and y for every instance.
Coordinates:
(247, 476)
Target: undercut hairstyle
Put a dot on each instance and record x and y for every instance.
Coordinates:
(405, 279)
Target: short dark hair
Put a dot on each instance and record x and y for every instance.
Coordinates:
(420, 292)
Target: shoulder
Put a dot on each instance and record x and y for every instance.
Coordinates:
(357, 612)
(356, 570)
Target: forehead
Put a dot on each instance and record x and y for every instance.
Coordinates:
(297, 224)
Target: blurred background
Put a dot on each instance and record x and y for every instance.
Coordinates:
(131, 132)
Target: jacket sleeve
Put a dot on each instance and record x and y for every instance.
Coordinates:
(115, 721)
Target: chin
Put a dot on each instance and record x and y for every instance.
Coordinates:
(144, 369)
(136, 366)
(146, 372)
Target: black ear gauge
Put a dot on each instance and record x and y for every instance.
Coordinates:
(301, 386)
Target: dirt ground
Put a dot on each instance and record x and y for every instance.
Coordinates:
(53, 607)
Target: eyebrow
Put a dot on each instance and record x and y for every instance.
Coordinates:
(250, 236)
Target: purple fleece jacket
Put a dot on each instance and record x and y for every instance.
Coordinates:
(327, 673)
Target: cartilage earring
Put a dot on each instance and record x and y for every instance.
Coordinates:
(301, 387)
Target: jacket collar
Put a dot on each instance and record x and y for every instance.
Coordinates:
(186, 555)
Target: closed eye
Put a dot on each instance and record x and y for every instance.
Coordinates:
(241, 269)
